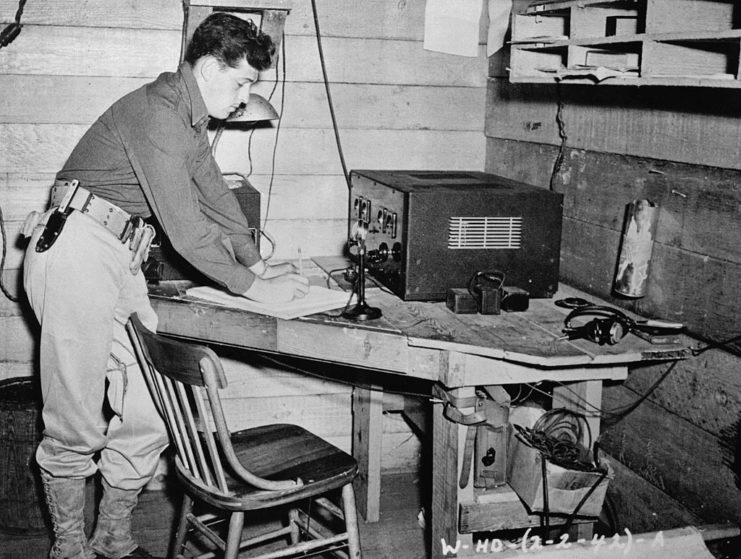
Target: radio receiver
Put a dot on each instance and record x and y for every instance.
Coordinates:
(429, 231)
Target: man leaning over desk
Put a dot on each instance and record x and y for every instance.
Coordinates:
(148, 154)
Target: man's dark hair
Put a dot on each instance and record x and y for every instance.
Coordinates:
(230, 39)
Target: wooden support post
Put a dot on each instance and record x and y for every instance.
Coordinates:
(448, 441)
(583, 397)
(367, 430)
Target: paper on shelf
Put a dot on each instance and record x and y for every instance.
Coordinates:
(318, 299)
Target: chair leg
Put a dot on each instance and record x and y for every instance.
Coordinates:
(178, 543)
(351, 521)
(234, 537)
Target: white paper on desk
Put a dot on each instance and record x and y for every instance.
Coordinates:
(452, 26)
(499, 14)
(318, 299)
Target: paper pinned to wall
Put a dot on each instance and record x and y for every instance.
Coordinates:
(452, 27)
(499, 14)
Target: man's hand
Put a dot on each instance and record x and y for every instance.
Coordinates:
(273, 270)
(279, 289)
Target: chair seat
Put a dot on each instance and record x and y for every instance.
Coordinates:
(279, 452)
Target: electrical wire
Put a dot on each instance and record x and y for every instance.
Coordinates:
(561, 134)
(12, 30)
(2, 260)
(613, 416)
(278, 127)
(725, 345)
(561, 435)
(329, 94)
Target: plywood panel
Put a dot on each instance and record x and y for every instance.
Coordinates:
(696, 203)
(91, 52)
(66, 99)
(137, 14)
(691, 288)
(642, 507)
(17, 336)
(38, 148)
(697, 390)
(696, 125)
(12, 282)
(21, 193)
(527, 162)
(675, 456)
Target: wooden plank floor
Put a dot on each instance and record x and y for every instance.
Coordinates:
(397, 535)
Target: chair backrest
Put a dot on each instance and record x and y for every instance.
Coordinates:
(184, 380)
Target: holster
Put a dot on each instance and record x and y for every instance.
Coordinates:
(141, 241)
(52, 230)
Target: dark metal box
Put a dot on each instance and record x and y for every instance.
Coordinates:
(429, 231)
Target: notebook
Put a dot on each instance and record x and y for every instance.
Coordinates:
(318, 299)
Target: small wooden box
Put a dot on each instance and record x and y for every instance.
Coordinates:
(566, 488)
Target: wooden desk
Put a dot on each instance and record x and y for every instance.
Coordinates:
(427, 341)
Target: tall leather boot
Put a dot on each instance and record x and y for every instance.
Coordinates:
(65, 498)
(113, 538)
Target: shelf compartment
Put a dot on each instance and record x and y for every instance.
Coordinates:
(616, 19)
(532, 61)
(621, 56)
(661, 42)
(710, 57)
(665, 16)
(537, 27)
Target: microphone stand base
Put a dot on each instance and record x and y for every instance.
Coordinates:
(362, 311)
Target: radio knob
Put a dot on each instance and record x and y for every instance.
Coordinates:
(396, 252)
(381, 254)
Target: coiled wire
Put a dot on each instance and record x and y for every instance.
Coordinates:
(562, 436)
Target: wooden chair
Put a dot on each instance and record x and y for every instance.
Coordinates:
(234, 472)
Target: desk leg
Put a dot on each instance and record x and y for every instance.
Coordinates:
(367, 407)
(448, 440)
(583, 397)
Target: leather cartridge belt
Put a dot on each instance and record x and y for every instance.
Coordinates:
(110, 216)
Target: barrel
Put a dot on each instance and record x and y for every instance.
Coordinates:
(21, 501)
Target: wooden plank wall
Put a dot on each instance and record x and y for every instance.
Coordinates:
(397, 106)
(679, 147)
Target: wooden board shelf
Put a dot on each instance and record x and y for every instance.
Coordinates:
(639, 42)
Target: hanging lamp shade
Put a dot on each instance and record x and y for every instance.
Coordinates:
(257, 109)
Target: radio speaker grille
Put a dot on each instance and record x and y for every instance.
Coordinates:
(494, 233)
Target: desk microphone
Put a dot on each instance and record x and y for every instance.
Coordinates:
(361, 310)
